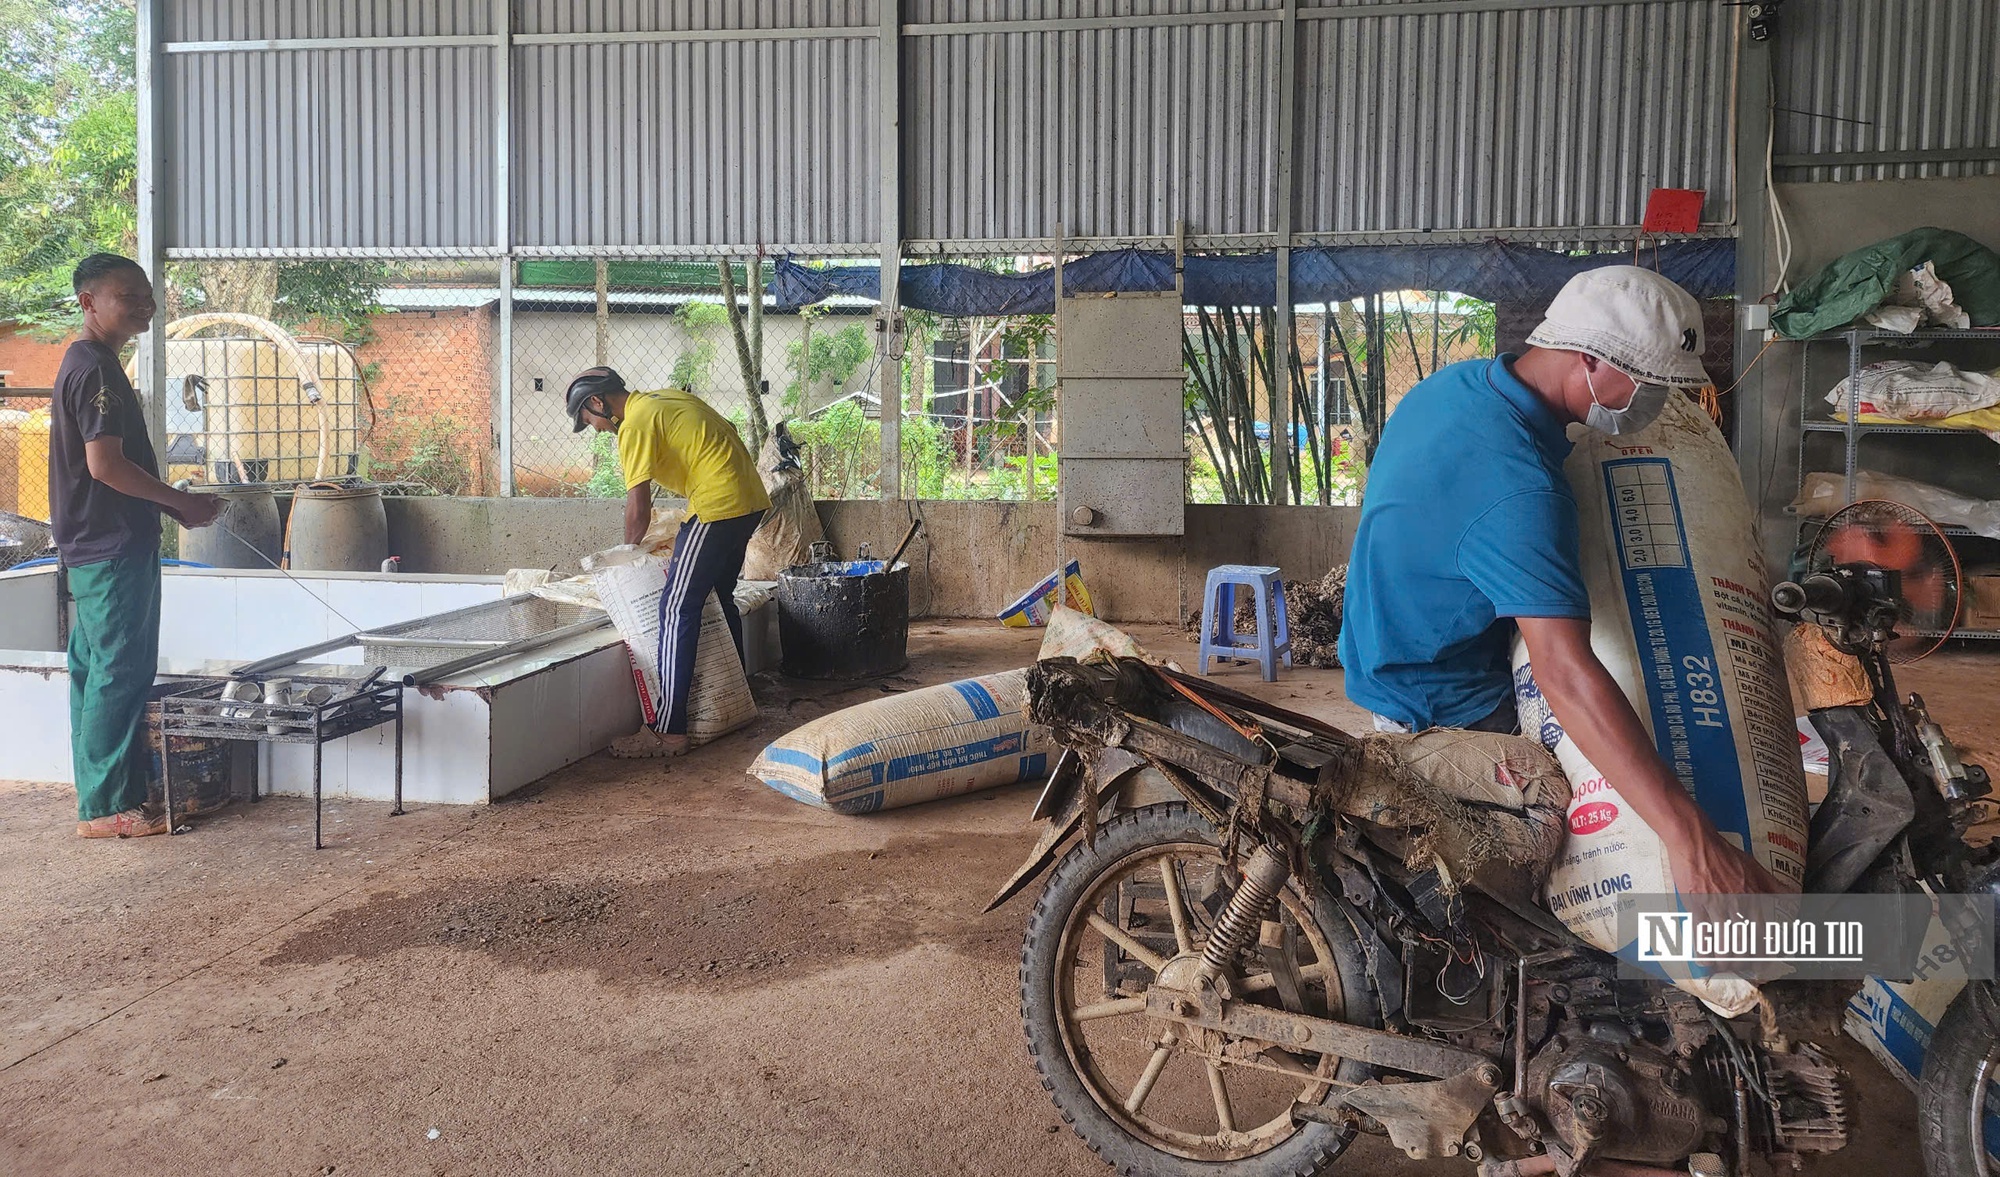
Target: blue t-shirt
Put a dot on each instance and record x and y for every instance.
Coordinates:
(1467, 522)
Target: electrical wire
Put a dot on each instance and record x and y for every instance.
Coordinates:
(280, 569)
(1746, 372)
(1781, 232)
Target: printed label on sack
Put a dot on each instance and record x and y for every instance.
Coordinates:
(1691, 722)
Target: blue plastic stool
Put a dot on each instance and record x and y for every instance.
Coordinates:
(1219, 637)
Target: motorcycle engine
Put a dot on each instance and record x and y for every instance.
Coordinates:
(1608, 1093)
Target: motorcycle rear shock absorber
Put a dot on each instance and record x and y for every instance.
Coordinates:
(1237, 927)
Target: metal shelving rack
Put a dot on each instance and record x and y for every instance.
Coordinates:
(1852, 429)
(202, 710)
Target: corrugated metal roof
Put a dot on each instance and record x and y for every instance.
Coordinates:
(1912, 84)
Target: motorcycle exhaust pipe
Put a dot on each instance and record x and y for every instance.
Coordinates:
(1536, 1166)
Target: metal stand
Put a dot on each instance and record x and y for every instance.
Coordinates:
(201, 710)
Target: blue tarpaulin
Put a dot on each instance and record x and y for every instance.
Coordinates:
(1494, 271)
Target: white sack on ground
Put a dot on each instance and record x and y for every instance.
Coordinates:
(925, 744)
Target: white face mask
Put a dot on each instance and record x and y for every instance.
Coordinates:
(1644, 407)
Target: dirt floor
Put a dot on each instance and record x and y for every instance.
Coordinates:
(629, 969)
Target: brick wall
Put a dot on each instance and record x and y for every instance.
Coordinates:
(30, 359)
(432, 377)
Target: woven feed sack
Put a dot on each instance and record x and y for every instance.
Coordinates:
(629, 584)
(918, 746)
(1678, 601)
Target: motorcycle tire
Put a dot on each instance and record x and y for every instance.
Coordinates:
(1967, 1041)
(1307, 1151)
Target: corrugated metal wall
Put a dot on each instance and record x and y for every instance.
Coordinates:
(1900, 88)
(251, 20)
(1110, 132)
(1554, 117)
(690, 125)
(330, 148)
(735, 123)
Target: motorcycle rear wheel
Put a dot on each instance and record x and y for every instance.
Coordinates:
(1960, 1090)
(1155, 1097)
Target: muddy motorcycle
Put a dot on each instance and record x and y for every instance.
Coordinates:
(1230, 974)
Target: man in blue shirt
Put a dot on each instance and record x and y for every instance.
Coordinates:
(1469, 530)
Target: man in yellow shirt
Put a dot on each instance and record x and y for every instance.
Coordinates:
(676, 440)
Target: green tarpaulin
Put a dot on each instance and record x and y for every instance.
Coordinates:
(681, 276)
(1857, 283)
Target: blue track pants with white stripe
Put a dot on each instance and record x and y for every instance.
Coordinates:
(708, 557)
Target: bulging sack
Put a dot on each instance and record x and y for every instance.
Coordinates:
(1678, 596)
(790, 527)
(629, 584)
(918, 746)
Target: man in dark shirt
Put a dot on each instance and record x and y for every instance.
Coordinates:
(105, 501)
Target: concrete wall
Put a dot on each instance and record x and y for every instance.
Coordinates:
(468, 535)
(1828, 220)
(971, 559)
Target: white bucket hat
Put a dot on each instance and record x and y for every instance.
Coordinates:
(1644, 325)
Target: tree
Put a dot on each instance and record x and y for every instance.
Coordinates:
(68, 148)
(69, 164)
(749, 345)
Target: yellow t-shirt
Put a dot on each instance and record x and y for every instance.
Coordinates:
(675, 439)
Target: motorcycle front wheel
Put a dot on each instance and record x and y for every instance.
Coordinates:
(1161, 1098)
(1958, 1098)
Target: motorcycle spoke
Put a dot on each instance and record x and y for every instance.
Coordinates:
(1125, 940)
(1170, 876)
(1225, 1119)
(1144, 1087)
(1281, 1061)
(1115, 1008)
(1265, 982)
(1152, 907)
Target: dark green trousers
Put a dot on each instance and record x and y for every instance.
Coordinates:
(114, 656)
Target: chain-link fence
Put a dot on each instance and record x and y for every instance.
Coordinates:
(430, 351)
(407, 357)
(979, 407)
(24, 464)
(1347, 366)
(703, 326)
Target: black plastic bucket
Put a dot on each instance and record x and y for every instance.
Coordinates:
(843, 619)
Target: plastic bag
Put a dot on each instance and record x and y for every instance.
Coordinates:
(1908, 391)
(1822, 493)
